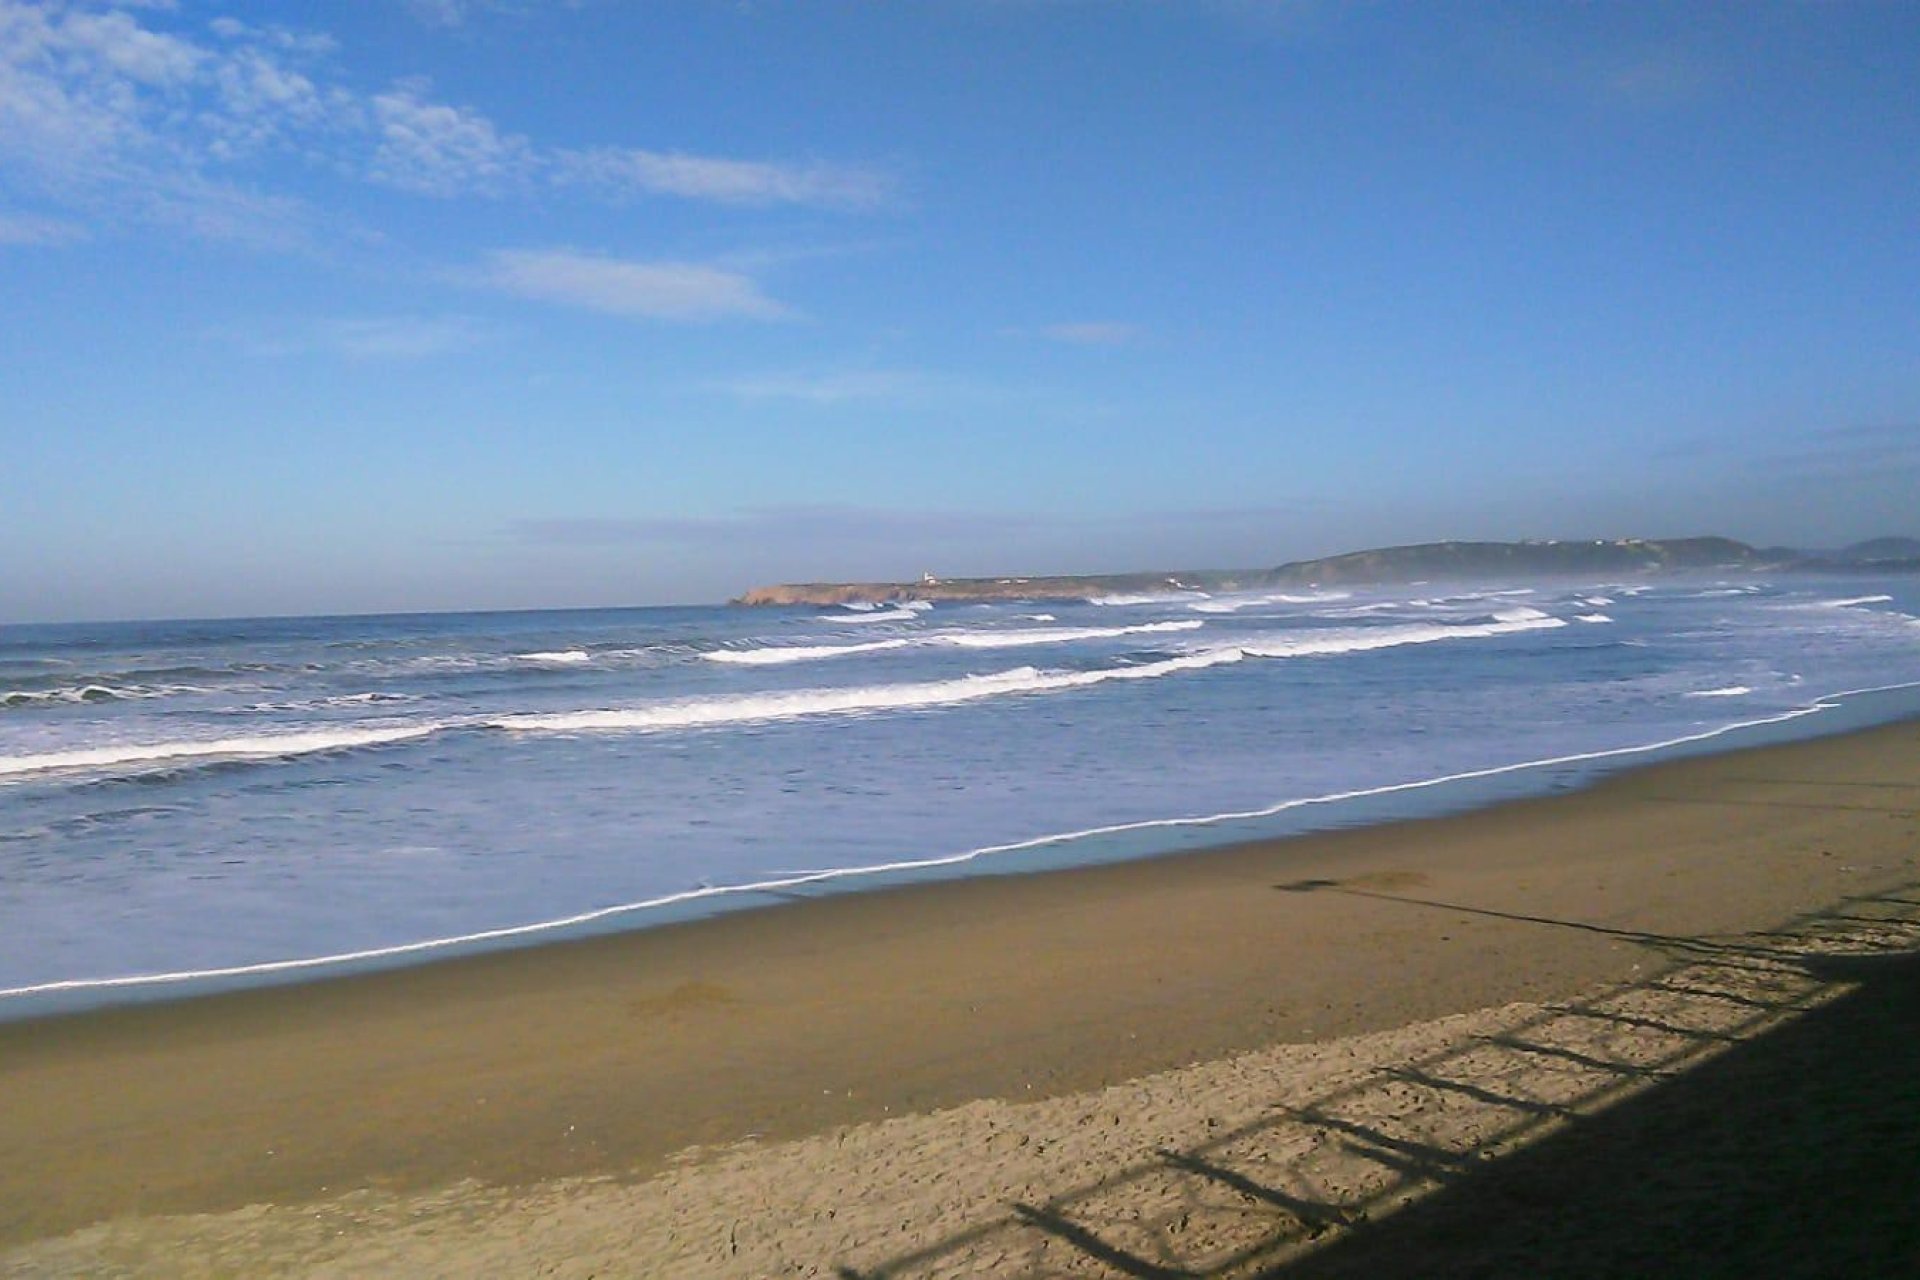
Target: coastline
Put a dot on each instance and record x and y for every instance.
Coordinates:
(606, 1056)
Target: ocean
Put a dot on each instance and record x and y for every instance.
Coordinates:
(187, 806)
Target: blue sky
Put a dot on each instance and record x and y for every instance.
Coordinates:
(457, 304)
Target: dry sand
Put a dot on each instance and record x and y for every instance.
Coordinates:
(1216, 1064)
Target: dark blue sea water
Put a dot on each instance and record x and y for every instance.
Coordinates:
(188, 804)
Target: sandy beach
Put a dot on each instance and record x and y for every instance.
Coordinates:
(1289, 1056)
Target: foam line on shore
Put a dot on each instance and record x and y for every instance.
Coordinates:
(802, 879)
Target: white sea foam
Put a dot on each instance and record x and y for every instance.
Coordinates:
(558, 657)
(435, 664)
(801, 879)
(1591, 617)
(319, 704)
(1523, 614)
(780, 654)
(1855, 600)
(700, 712)
(1339, 640)
(1598, 601)
(738, 708)
(254, 747)
(93, 692)
(1039, 617)
(1731, 691)
(741, 708)
(1493, 595)
(1056, 635)
(901, 613)
(1124, 600)
(775, 655)
(1233, 604)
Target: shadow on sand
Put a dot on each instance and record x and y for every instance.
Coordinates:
(1749, 1107)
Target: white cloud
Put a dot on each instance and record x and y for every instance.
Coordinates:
(438, 150)
(622, 171)
(308, 43)
(120, 44)
(266, 103)
(119, 122)
(621, 286)
(1091, 333)
(27, 228)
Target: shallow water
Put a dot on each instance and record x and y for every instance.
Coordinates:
(178, 799)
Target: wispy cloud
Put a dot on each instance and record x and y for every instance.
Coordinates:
(624, 172)
(1877, 450)
(623, 286)
(762, 526)
(382, 338)
(453, 14)
(29, 229)
(440, 13)
(1091, 333)
(1649, 79)
(118, 115)
(843, 540)
(852, 386)
(1650, 75)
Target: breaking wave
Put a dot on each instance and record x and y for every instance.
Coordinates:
(774, 655)
(1233, 604)
(772, 706)
(777, 655)
(83, 693)
(705, 712)
(254, 747)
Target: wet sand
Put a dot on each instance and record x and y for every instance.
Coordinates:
(547, 1085)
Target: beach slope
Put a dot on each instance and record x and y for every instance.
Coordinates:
(1206, 1064)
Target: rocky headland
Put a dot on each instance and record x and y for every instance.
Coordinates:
(1429, 561)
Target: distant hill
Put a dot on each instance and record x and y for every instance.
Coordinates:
(1881, 550)
(1443, 560)
(1422, 562)
(1086, 587)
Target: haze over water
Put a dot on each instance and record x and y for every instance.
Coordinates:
(189, 797)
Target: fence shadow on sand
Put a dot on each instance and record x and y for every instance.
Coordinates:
(1749, 1106)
